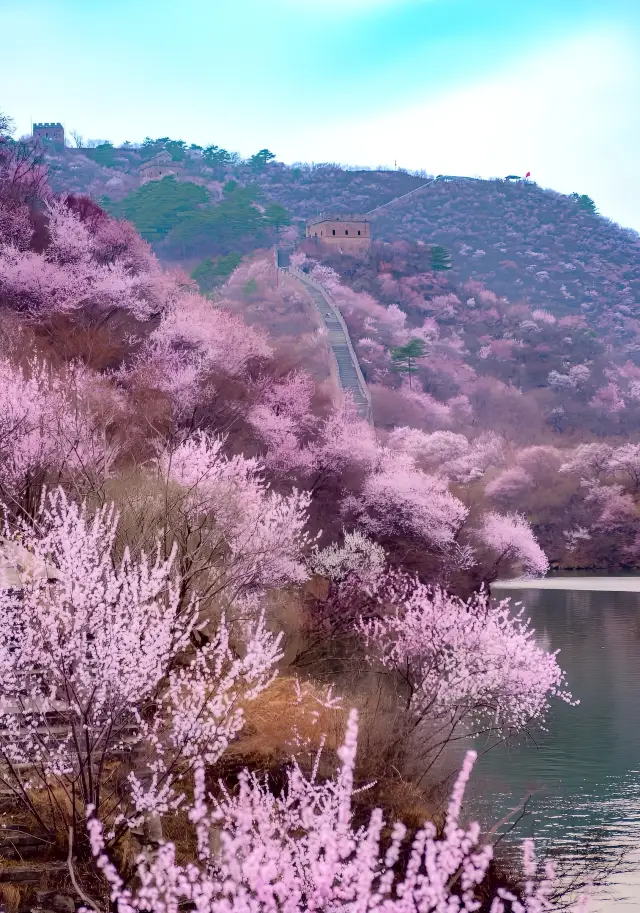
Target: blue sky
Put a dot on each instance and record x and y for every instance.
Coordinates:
(456, 86)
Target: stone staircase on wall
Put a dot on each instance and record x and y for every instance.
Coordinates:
(348, 368)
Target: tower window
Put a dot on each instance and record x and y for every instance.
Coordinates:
(358, 232)
(334, 231)
(346, 231)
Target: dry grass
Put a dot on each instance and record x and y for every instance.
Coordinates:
(11, 896)
(177, 829)
(279, 719)
(281, 715)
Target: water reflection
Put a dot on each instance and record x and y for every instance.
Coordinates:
(584, 771)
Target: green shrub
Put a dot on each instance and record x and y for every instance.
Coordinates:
(215, 270)
(584, 202)
(103, 155)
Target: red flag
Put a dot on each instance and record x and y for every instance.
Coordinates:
(528, 174)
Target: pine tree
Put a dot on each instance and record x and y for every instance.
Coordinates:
(440, 258)
(584, 202)
(405, 357)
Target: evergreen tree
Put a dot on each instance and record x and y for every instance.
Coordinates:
(440, 258)
(176, 147)
(215, 270)
(276, 216)
(218, 159)
(584, 202)
(158, 206)
(405, 357)
(260, 159)
(103, 155)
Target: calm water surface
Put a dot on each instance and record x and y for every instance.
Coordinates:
(586, 768)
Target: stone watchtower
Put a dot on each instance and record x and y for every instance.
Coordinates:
(54, 132)
(158, 167)
(349, 234)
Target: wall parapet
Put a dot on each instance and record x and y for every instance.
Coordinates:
(336, 217)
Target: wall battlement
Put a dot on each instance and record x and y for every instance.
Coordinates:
(47, 130)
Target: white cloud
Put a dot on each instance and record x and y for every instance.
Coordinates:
(568, 113)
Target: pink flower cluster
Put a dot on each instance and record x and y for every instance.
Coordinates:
(88, 666)
(257, 534)
(260, 853)
(469, 665)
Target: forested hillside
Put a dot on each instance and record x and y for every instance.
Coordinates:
(522, 240)
(524, 305)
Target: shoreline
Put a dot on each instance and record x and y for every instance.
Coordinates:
(595, 584)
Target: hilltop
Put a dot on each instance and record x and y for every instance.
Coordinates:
(524, 241)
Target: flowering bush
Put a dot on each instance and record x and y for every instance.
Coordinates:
(255, 536)
(358, 557)
(302, 850)
(90, 678)
(468, 666)
(53, 423)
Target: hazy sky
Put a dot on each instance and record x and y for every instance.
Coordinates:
(454, 86)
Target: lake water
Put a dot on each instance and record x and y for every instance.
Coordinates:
(585, 768)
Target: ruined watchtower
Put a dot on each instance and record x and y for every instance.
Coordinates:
(347, 233)
(54, 132)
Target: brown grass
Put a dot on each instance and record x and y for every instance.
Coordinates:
(11, 896)
(277, 716)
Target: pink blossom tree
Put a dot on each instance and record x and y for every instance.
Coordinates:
(431, 451)
(72, 273)
(224, 340)
(282, 417)
(509, 485)
(53, 425)
(324, 275)
(542, 461)
(236, 535)
(535, 471)
(589, 461)
(97, 713)
(434, 414)
(615, 508)
(195, 345)
(358, 558)
(466, 666)
(23, 176)
(511, 547)
(15, 225)
(608, 399)
(485, 452)
(352, 572)
(399, 500)
(625, 461)
(344, 442)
